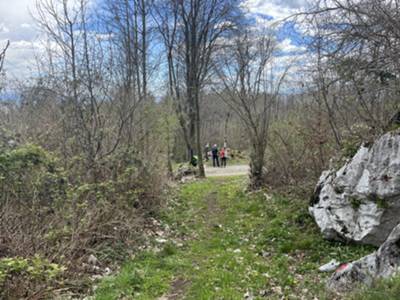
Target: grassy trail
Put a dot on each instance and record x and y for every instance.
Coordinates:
(230, 245)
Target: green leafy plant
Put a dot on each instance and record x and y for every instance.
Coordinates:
(33, 269)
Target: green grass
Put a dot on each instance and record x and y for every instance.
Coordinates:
(388, 289)
(233, 244)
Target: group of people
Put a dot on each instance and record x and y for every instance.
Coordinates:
(219, 156)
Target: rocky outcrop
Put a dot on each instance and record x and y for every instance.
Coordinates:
(361, 201)
(383, 263)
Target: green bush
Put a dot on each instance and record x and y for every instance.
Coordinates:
(51, 213)
(36, 269)
(29, 174)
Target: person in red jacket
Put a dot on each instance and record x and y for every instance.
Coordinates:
(222, 155)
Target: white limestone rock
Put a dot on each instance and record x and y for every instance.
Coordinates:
(383, 263)
(361, 201)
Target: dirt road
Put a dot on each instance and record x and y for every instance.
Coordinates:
(228, 171)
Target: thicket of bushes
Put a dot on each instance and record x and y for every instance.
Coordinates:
(302, 144)
(50, 223)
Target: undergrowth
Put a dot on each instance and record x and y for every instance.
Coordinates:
(50, 224)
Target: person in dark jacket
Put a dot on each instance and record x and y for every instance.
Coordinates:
(215, 157)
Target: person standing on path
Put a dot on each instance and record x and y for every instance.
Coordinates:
(222, 154)
(215, 158)
(206, 150)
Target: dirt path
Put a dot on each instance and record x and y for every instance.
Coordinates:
(223, 243)
(210, 214)
(234, 170)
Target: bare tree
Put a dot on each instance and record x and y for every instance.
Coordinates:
(130, 26)
(2, 58)
(251, 88)
(78, 77)
(166, 18)
(3, 55)
(357, 44)
(190, 31)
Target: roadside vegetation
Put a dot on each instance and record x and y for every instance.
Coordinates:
(57, 232)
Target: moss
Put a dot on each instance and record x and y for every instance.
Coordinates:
(355, 202)
(380, 202)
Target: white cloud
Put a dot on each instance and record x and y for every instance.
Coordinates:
(15, 26)
(26, 25)
(270, 13)
(21, 45)
(16, 11)
(18, 26)
(103, 36)
(4, 28)
(287, 46)
(277, 9)
(20, 57)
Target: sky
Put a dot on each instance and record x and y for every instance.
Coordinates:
(18, 26)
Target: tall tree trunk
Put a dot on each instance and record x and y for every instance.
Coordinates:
(169, 152)
(202, 173)
(256, 165)
(192, 113)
